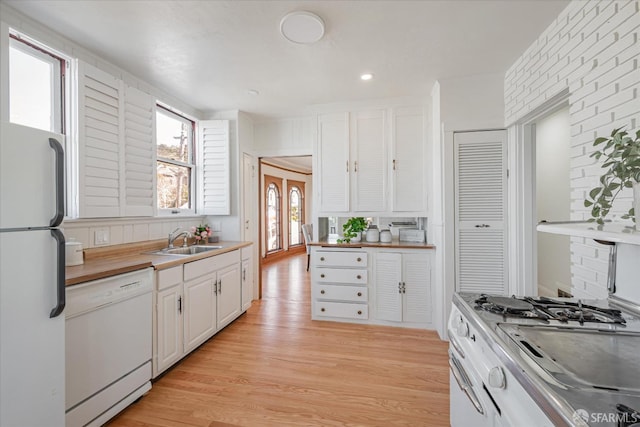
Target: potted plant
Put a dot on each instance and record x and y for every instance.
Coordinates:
(621, 158)
(352, 229)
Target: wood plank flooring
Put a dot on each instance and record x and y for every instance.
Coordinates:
(275, 367)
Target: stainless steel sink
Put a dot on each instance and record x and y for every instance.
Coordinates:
(190, 250)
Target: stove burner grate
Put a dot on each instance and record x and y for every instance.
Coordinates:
(548, 309)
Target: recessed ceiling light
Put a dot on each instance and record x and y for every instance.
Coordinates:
(366, 76)
(302, 27)
(253, 92)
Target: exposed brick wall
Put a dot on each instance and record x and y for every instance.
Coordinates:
(591, 48)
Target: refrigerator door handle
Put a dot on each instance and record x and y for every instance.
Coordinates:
(60, 276)
(57, 147)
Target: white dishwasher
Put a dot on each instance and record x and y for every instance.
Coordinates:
(108, 346)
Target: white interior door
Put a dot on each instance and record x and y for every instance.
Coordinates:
(480, 211)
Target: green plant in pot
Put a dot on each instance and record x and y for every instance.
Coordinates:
(620, 154)
(352, 227)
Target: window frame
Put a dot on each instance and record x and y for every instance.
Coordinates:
(299, 185)
(277, 183)
(171, 112)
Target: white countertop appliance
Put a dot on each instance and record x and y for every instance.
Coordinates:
(32, 276)
(549, 362)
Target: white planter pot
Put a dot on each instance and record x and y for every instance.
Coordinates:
(636, 203)
(358, 237)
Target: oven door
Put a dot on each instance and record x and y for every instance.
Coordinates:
(467, 404)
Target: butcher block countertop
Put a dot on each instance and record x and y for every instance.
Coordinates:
(394, 244)
(111, 260)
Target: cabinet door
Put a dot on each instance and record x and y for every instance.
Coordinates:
(169, 307)
(408, 163)
(199, 311)
(416, 276)
(369, 166)
(388, 289)
(481, 208)
(229, 294)
(247, 284)
(333, 161)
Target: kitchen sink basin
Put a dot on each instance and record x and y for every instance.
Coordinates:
(190, 250)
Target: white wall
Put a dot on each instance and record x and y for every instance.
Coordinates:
(285, 137)
(591, 49)
(553, 200)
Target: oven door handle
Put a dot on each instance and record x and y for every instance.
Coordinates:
(455, 344)
(463, 383)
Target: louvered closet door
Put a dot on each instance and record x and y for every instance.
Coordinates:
(369, 166)
(333, 151)
(139, 153)
(99, 124)
(480, 162)
(214, 170)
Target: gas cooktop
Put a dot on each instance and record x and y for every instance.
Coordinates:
(583, 353)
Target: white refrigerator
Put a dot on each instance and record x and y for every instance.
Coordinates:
(32, 293)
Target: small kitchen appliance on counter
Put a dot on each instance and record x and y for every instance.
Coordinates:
(74, 255)
(550, 362)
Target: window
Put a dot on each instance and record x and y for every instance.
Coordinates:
(296, 212)
(272, 211)
(36, 85)
(175, 168)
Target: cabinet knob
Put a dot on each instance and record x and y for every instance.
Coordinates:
(321, 258)
(322, 292)
(359, 294)
(359, 259)
(359, 276)
(322, 275)
(359, 311)
(322, 309)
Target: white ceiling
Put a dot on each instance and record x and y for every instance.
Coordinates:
(301, 164)
(209, 53)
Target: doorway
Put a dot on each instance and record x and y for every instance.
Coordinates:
(552, 201)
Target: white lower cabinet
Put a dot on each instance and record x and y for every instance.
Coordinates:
(193, 302)
(372, 285)
(403, 287)
(247, 277)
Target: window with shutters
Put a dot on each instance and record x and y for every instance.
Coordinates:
(175, 161)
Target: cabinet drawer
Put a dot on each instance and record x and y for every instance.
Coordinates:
(169, 277)
(340, 259)
(343, 293)
(340, 275)
(342, 309)
(199, 268)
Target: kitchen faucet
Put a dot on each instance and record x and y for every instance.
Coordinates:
(175, 234)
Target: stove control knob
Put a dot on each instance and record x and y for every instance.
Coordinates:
(496, 377)
(463, 329)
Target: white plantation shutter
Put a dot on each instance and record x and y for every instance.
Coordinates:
(214, 167)
(99, 125)
(139, 153)
(480, 161)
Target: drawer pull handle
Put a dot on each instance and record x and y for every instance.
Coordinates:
(321, 258)
(359, 294)
(359, 259)
(359, 311)
(322, 275)
(359, 276)
(322, 309)
(322, 292)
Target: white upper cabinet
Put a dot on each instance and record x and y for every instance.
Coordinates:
(333, 158)
(369, 161)
(116, 151)
(372, 162)
(408, 161)
(213, 140)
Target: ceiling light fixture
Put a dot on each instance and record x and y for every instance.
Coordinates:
(302, 27)
(366, 76)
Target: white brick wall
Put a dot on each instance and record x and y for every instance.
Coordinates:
(592, 48)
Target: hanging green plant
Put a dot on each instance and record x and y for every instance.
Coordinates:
(620, 154)
(351, 228)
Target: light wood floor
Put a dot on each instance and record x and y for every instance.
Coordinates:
(275, 367)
